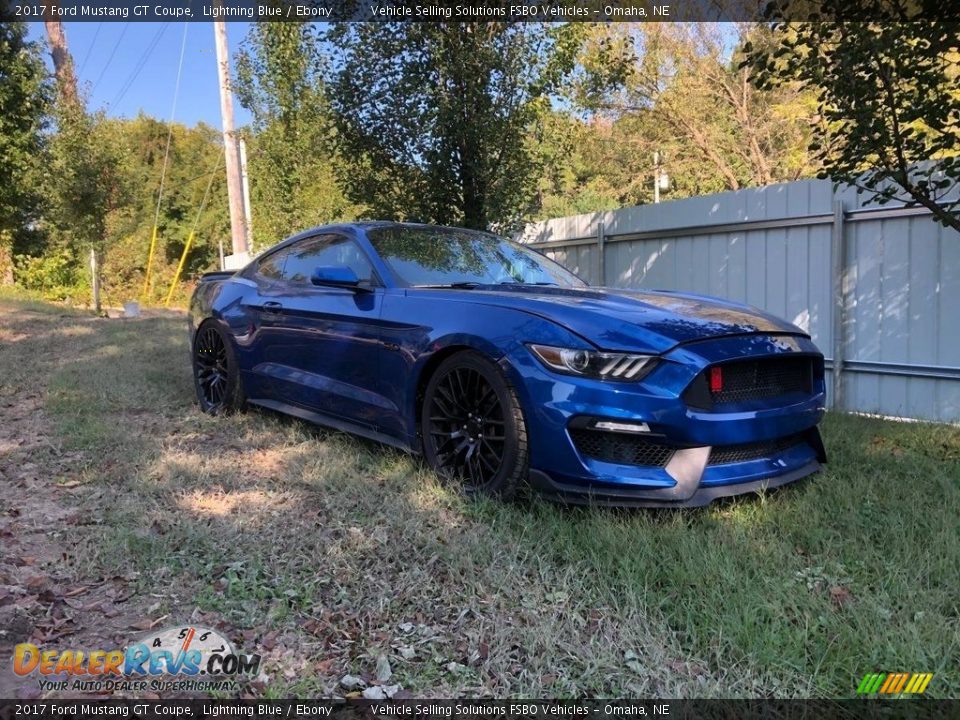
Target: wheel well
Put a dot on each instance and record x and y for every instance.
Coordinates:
(428, 369)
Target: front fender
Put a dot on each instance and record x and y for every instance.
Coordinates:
(416, 349)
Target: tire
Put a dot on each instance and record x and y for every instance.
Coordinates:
(216, 373)
(473, 428)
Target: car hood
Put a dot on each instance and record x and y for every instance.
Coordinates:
(616, 319)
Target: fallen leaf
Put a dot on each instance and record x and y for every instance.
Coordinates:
(351, 682)
(325, 666)
(37, 582)
(384, 672)
(840, 596)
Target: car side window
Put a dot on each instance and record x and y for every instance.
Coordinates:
(325, 250)
(271, 267)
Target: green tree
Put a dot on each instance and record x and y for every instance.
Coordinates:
(440, 121)
(279, 79)
(25, 93)
(195, 162)
(681, 90)
(84, 183)
(887, 99)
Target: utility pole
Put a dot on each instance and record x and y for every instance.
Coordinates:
(238, 225)
(244, 177)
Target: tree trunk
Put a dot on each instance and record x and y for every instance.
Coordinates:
(62, 61)
(6, 258)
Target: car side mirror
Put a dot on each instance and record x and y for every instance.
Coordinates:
(335, 276)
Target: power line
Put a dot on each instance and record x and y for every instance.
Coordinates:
(138, 68)
(93, 44)
(166, 158)
(193, 231)
(110, 59)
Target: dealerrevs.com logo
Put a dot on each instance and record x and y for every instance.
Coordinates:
(184, 658)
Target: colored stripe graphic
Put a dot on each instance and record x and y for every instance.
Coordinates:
(915, 681)
(902, 680)
(891, 679)
(894, 683)
(870, 683)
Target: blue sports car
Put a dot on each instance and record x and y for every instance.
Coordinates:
(503, 368)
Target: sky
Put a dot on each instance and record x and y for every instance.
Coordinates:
(107, 55)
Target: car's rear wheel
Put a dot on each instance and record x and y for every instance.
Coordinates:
(473, 428)
(216, 373)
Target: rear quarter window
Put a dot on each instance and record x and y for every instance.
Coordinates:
(271, 267)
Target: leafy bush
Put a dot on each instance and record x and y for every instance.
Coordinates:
(57, 274)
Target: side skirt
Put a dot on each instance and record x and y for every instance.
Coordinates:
(332, 422)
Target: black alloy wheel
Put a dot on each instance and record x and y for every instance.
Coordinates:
(215, 372)
(473, 427)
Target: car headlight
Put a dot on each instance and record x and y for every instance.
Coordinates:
(595, 364)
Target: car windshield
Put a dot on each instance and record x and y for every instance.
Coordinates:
(447, 257)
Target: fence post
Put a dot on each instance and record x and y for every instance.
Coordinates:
(601, 256)
(95, 279)
(838, 270)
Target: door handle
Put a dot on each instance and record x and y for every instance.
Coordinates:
(272, 306)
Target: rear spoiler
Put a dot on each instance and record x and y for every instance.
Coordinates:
(217, 275)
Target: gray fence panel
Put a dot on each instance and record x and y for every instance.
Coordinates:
(772, 248)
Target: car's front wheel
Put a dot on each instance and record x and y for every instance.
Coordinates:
(216, 374)
(473, 427)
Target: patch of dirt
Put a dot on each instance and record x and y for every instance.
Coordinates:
(42, 600)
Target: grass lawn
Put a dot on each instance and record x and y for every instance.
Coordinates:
(331, 556)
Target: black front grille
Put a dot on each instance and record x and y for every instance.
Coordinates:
(726, 454)
(630, 449)
(621, 448)
(753, 380)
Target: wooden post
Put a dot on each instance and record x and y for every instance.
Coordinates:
(95, 279)
(238, 229)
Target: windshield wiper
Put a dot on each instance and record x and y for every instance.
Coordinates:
(524, 282)
(459, 285)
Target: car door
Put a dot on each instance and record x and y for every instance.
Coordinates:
(260, 340)
(325, 341)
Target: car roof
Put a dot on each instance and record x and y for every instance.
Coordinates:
(361, 225)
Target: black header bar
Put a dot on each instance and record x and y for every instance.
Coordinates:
(475, 10)
(479, 709)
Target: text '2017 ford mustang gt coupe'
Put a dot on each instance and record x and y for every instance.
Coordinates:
(502, 367)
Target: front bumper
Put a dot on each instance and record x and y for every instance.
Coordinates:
(556, 404)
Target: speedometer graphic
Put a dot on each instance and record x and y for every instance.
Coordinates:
(183, 650)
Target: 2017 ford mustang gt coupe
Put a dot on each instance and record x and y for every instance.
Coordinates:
(503, 368)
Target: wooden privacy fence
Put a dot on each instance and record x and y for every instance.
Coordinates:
(878, 288)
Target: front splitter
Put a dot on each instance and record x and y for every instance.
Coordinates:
(644, 497)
